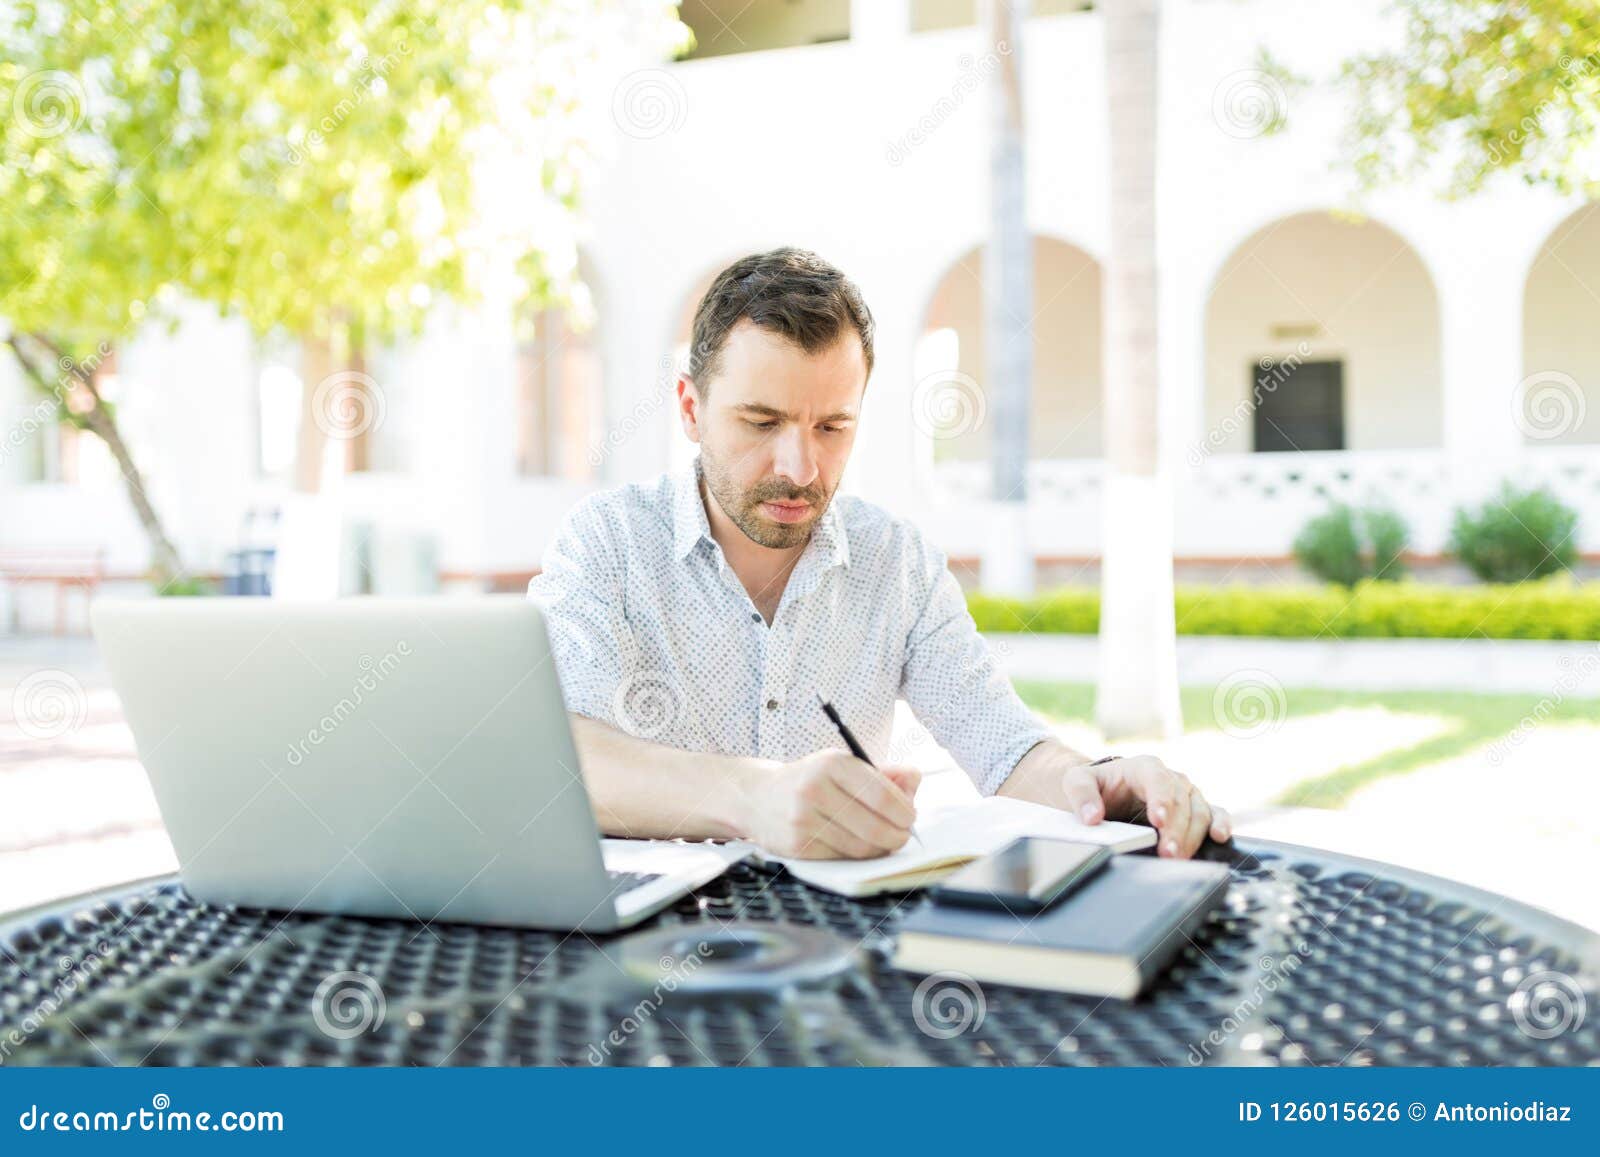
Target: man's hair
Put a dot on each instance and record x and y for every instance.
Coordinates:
(790, 292)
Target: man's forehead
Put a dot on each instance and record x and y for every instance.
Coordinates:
(764, 370)
(762, 410)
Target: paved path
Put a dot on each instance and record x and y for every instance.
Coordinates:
(1482, 665)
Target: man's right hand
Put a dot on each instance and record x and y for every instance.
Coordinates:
(831, 806)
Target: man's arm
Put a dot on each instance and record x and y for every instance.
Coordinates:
(1136, 787)
(960, 694)
(828, 805)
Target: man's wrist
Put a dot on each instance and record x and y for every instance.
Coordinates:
(739, 800)
(1061, 757)
(1040, 768)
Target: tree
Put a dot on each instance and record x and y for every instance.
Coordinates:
(1008, 310)
(333, 170)
(1481, 87)
(1138, 684)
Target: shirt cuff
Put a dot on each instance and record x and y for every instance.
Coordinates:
(1000, 770)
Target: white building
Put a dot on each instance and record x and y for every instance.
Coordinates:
(1426, 348)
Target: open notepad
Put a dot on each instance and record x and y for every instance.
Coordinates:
(955, 836)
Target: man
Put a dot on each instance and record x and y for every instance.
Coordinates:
(695, 620)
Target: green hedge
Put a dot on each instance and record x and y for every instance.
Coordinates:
(1535, 610)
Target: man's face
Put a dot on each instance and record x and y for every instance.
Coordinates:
(776, 430)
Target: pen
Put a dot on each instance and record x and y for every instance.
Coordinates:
(855, 748)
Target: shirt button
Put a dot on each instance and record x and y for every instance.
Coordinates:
(755, 616)
(772, 704)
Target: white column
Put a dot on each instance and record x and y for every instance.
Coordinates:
(884, 466)
(1480, 332)
(879, 21)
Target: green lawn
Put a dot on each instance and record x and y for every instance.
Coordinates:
(1472, 721)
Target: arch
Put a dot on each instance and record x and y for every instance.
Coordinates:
(1067, 368)
(680, 451)
(560, 381)
(1560, 399)
(1322, 333)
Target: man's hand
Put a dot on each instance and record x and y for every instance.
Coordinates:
(831, 806)
(1132, 788)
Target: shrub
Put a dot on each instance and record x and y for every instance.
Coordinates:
(1388, 536)
(1516, 536)
(1345, 546)
(186, 587)
(1552, 610)
(1330, 548)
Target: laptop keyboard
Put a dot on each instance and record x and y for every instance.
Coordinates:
(627, 881)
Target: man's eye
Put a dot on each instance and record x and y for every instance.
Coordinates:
(763, 425)
(834, 429)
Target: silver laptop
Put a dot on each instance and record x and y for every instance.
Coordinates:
(378, 757)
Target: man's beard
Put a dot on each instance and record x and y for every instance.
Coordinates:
(743, 507)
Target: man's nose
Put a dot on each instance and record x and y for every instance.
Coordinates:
(795, 458)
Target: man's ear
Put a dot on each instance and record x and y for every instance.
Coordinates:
(689, 412)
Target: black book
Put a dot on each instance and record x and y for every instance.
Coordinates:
(1110, 938)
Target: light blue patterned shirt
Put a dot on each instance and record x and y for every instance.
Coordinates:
(653, 633)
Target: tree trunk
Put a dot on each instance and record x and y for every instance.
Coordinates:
(1007, 564)
(334, 402)
(1138, 685)
(316, 365)
(165, 565)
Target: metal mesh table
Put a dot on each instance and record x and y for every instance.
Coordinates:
(1315, 960)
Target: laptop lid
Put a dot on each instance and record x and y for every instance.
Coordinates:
(385, 757)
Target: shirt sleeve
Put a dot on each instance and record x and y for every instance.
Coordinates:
(579, 590)
(954, 685)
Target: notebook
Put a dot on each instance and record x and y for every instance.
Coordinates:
(955, 836)
(1110, 938)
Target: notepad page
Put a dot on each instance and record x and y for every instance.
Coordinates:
(956, 835)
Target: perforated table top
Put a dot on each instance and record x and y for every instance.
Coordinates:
(1314, 960)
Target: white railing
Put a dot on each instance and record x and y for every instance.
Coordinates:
(1253, 505)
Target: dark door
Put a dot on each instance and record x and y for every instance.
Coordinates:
(1299, 407)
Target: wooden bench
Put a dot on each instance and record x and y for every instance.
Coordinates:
(62, 569)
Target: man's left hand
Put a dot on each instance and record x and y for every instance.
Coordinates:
(1134, 787)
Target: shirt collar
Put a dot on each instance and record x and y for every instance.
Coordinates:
(828, 540)
(690, 524)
